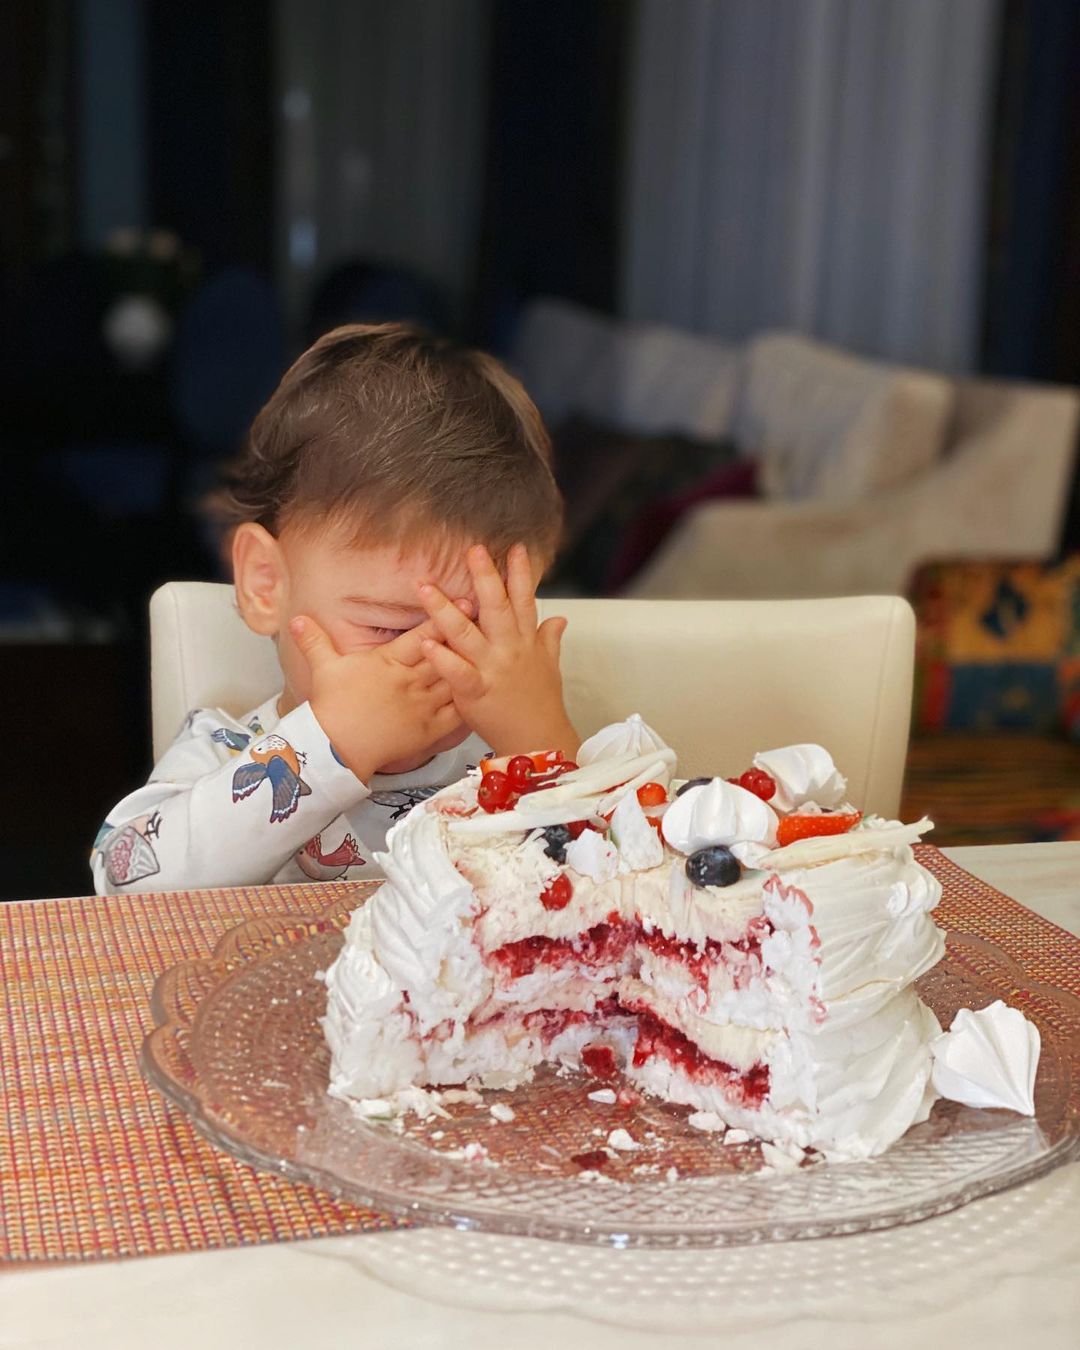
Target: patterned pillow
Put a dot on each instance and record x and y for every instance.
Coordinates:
(998, 646)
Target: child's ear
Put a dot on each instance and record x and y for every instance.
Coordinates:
(259, 578)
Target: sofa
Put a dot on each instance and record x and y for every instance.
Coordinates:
(864, 470)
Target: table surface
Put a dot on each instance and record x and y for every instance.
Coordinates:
(1003, 1271)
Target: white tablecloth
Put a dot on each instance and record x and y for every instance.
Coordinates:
(1003, 1272)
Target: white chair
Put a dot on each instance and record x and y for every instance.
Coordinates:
(718, 679)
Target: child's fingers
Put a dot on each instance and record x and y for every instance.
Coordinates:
(407, 649)
(464, 679)
(521, 588)
(454, 626)
(439, 692)
(550, 634)
(314, 645)
(497, 618)
(446, 720)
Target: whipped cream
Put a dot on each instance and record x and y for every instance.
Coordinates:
(989, 1058)
(802, 773)
(632, 737)
(718, 812)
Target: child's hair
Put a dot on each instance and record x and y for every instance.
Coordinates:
(399, 437)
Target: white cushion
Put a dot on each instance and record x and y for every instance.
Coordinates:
(643, 378)
(830, 426)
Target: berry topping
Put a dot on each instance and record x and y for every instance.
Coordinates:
(557, 894)
(549, 775)
(547, 759)
(652, 794)
(577, 828)
(519, 771)
(556, 838)
(495, 791)
(713, 866)
(792, 828)
(593, 1161)
(692, 782)
(599, 1060)
(758, 782)
(542, 761)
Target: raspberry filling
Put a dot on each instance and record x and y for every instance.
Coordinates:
(656, 1037)
(552, 1022)
(605, 944)
(610, 944)
(602, 945)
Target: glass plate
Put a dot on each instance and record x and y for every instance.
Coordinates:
(238, 1047)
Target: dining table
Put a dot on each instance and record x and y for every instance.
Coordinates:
(1000, 1272)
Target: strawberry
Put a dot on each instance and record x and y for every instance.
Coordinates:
(794, 827)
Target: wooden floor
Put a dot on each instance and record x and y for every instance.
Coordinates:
(994, 789)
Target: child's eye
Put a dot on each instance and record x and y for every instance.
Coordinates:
(386, 634)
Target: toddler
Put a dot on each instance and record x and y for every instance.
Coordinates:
(390, 517)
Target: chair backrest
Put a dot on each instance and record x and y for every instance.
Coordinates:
(718, 679)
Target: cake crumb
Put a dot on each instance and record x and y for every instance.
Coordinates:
(472, 1152)
(466, 1096)
(623, 1141)
(779, 1158)
(374, 1108)
(646, 1169)
(603, 1095)
(436, 1135)
(708, 1121)
(423, 1101)
(501, 1112)
(504, 1080)
(737, 1137)
(672, 1174)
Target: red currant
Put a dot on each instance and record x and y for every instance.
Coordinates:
(519, 771)
(495, 791)
(557, 894)
(652, 794)
(759, 783)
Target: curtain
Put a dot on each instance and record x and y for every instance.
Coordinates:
(812, 165)
(381, 109)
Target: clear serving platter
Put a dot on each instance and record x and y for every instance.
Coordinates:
(239, 1049)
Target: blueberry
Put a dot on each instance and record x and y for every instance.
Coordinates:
(713, 866)
(692, 782)
(557, 837)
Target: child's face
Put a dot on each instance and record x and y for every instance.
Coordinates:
(360, 597)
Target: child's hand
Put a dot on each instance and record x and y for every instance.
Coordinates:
(504, 673)
(378, 705)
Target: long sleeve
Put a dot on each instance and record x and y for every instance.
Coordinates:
(225, 806)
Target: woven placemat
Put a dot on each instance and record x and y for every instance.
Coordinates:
(93, 1163)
